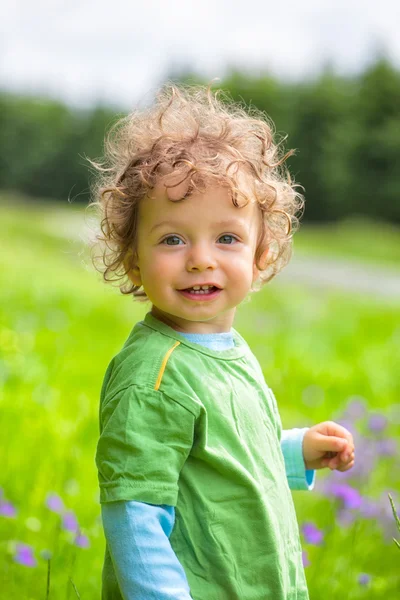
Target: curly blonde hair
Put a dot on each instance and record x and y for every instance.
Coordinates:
(206, 139)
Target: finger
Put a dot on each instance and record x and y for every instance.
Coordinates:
(347, 455)
(334, 464)
(346, 467)
(325, 443)
(330, 454)
(338, 462)
(345, 463)
(334, 429)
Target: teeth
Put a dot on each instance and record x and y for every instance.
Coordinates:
(197, 289)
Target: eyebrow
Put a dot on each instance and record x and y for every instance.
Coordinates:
(157, 225)
(174, 225)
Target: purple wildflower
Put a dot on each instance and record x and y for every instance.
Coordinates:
(24, 556)
(7, 509)
(356, 408)
(81, 541)
(345, 517)
(306, 562)
(54, 503)
(350, 497)
(70, 522)
(312, 534)
(387, 447)
(377, 423)
(364, 579)
(369, 508)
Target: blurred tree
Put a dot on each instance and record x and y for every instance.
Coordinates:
(323, 134)
(43, 146)
(376, 151)
(346, 132)
(32, 131)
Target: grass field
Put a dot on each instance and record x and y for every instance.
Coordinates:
(327, 356)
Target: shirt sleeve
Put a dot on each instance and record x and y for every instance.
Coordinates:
(144, 442)
(299, 478)
(145, 565)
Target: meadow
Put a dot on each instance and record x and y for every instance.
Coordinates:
(326, 355)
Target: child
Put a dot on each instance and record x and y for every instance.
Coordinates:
(193, 465)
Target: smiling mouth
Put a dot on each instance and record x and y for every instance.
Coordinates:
(201, 290)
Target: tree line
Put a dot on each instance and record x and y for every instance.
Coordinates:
(346, 132)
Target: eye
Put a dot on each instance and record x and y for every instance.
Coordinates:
(171, 240)
(227, 239)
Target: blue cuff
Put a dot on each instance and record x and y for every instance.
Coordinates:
(299, 478)
(143, 565)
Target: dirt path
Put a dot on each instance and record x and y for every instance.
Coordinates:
(343, 275)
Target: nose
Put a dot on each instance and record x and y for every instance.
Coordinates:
(200, 258)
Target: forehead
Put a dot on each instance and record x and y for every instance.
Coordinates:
(212, 205)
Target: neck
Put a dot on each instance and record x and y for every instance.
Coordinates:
(221, 324)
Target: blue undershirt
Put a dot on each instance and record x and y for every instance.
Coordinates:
(137, 534)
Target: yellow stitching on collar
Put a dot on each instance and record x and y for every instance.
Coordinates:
(164, 364)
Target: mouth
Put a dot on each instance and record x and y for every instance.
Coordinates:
(205, 288)
(202, 292)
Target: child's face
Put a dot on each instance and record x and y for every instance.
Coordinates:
(202, 239)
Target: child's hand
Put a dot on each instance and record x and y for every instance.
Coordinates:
(328, 445)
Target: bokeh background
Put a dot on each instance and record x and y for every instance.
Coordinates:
(326, 331)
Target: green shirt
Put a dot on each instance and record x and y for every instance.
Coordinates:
(199, 429)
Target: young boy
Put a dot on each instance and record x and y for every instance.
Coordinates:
(194, 467)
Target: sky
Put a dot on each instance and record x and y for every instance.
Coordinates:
(118, 52)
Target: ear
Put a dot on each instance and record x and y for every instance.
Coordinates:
(132, 269)
(134, 276)
(263, 261)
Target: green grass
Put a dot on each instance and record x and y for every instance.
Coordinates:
(358, 240)
(59, 327)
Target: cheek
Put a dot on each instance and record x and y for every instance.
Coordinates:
(242, 270)
(166, 263)
(159, 267)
